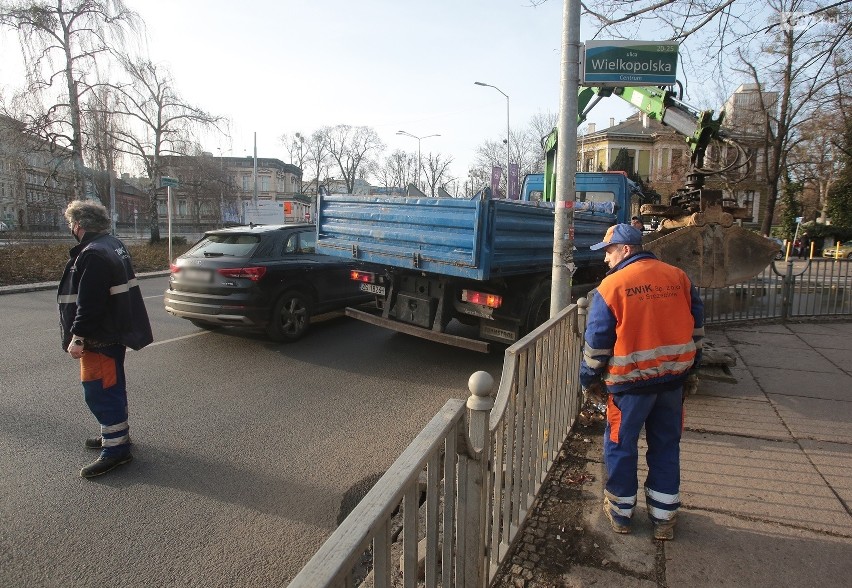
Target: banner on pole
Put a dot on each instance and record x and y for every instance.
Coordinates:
(496, 174)
(513, 181)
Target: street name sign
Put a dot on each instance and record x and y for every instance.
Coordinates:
(166, 181)
(629, 63)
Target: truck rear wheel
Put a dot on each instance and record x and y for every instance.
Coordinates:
(538, 310)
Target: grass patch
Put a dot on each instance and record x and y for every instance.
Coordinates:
(30, 264)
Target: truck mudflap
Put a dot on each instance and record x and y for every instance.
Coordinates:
(423, 333)
(713, 256)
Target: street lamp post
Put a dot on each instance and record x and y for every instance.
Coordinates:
(419, 165)
(507, 130)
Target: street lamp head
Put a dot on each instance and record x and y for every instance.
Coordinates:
(480, 84)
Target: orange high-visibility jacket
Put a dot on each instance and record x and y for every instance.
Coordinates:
(644, 327)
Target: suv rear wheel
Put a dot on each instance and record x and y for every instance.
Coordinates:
(291, 316)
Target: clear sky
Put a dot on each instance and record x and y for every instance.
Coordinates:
(287, 66)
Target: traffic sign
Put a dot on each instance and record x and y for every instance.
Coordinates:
(629, 63)
(166, 181)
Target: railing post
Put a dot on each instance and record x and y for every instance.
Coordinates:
(473, 490)
(787, 292)
(582, 312)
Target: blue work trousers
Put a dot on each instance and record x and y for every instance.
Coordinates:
(102, 375)
(661, 413)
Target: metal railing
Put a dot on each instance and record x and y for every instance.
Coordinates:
(484, 463)
(784, 290)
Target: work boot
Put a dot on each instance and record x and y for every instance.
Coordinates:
(620, 528)
(664, 530)
(104, 464)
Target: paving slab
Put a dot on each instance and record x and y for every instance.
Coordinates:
(835, 341)
(772, 356)
(770, 481)
(839, 357)
(714, 549)
(764, 340)
(806, 384)
(815, 418)
(834, 462)
(825, 328)
(765, 480)
(734, 332)
(735, 416)
(746, 387)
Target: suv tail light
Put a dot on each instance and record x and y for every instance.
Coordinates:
(482, 298)
(251, 273)
(175, 269)
(360, 276)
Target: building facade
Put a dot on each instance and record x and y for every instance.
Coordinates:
(213, 191)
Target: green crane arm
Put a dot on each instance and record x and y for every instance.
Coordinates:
(699, 127)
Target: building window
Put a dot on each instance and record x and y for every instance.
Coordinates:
(246, 183)
(264, 183)
(748, 202)
(181, 208)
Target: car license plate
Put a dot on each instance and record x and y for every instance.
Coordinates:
(373, 289)
(196, 275)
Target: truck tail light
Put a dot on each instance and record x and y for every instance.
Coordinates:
(251, 273)
(482, 298)
(360, 276)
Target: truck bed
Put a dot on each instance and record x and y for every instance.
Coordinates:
(475, 238)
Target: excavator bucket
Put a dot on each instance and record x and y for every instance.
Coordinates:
(713, 256)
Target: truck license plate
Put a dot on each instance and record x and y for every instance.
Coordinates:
(373, 289)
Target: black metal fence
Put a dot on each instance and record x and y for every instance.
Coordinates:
(784, 290)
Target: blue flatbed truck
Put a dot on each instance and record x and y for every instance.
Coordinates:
(484, 262)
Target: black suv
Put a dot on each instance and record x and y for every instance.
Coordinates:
(259, 276)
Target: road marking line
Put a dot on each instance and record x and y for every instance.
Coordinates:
(179, 338)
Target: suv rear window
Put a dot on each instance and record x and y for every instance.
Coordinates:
(231, 245)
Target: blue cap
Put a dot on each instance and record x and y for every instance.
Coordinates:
(621, 234)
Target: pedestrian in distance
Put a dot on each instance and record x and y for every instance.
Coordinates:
(636, 223)
(643, 340)
(101, 313)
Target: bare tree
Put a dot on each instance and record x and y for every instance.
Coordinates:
(526, 147)
(99, 130)
(816, 160)
(65, 40)
(159, 123)
(354, 150)
(298, 153)
(317, 159)
(437, 166)
(397, 169)
(798, 62)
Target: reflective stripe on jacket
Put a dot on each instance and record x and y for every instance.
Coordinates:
(645, 326)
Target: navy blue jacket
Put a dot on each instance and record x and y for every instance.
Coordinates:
(99, 297)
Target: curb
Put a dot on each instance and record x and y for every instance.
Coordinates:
(23, 288)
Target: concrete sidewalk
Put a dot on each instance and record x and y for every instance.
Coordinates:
(766, 480)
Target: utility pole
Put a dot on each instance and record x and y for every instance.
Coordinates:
(566, 160)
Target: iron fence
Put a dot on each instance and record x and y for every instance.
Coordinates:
(784, 291)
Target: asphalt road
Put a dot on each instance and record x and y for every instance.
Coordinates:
(245, 450)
